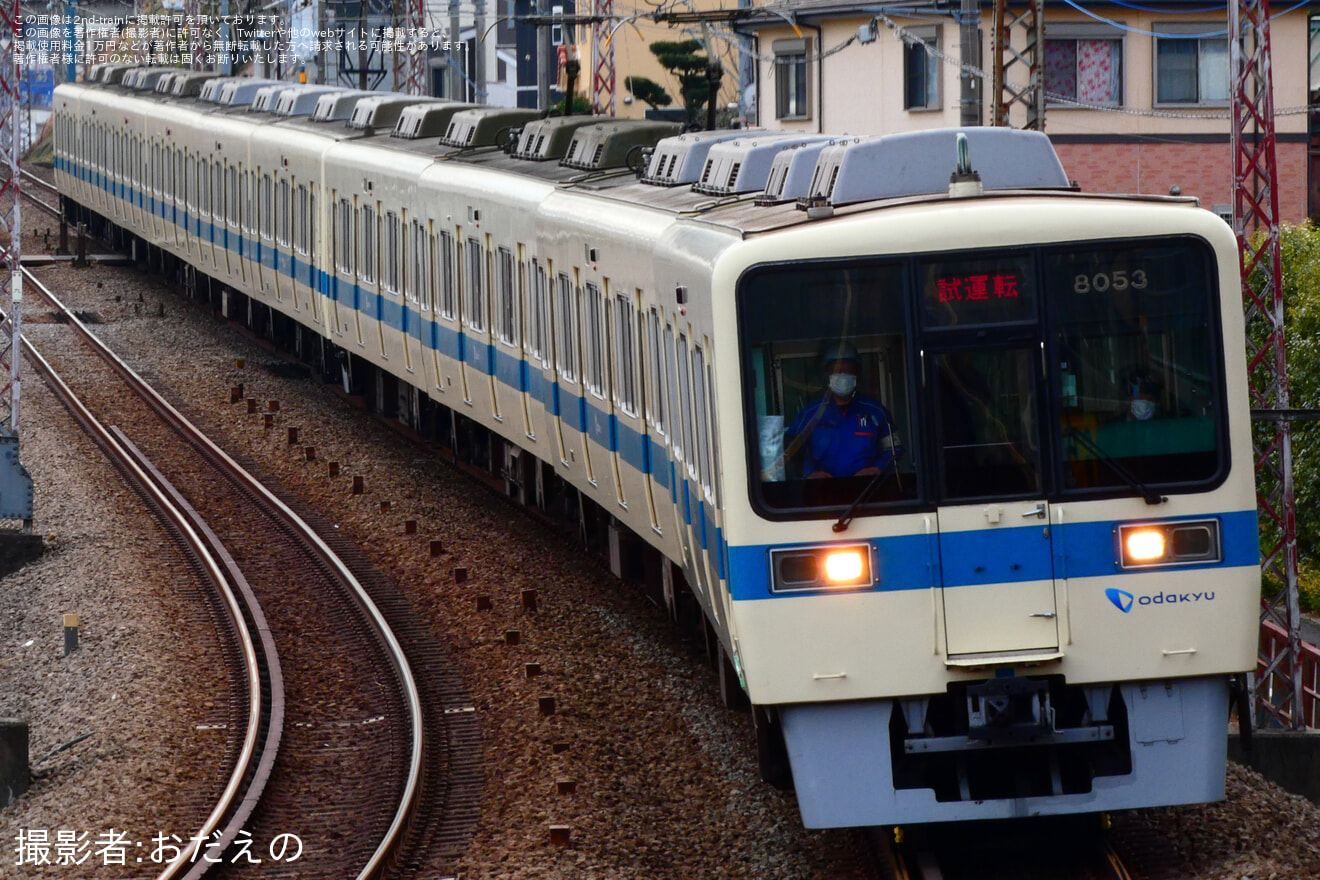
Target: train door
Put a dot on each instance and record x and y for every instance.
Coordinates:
(994, 522)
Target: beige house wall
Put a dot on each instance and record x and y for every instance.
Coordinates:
(860, 90)
(861, 87)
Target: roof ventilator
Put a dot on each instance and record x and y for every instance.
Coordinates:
(680, 159)
(614, 143)
(742, 166)
(909, 164)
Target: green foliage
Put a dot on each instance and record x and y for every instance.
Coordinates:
(581, 106)
(648, 90)
(1300, 249)
(686, 60)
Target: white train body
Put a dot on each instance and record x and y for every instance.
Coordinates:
(1002, 651)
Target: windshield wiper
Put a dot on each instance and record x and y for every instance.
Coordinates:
(847, 517)
(1149, 495)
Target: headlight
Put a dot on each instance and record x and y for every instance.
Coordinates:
(1147, 545)
(826, 567)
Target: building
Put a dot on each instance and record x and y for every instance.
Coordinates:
(1137, 101)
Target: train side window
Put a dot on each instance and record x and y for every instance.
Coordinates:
(671, 375)
(625, 355)
(299, 217)
(448, 277)
(700, 415)
(180, 176)
(284, 232)
(310, 228)
(417, 267)
(567, 348)
(367, 242)
(208, 174)
(714, 425)
(684, 408)
(475, 313)
(265, 198)
(593, 330)
(347, 237)
(218, 191)
(540, 306)
(246, 186)
(507, 307)
(655, 380)
(392, 258)
(231, 191)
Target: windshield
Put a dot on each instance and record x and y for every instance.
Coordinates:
(1136, 364)
(1023, 373)
(832, 395)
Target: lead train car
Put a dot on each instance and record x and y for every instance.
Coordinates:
(1036, 608)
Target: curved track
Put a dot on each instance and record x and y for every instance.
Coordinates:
(365, 778)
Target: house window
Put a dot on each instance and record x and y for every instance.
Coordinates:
(791, 79)
(1190, 68)
(1084, 64)
(921, 69)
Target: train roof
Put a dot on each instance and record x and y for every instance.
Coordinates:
(749, 181)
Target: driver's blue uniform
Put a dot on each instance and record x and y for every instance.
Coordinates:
(842, 440)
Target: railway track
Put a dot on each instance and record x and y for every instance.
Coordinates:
(373, 769)
(1062, 848)
(46, 187)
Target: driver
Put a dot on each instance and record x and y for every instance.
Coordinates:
(844, 434)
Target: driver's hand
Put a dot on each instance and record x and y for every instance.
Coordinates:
(819, 475)
(868, 472)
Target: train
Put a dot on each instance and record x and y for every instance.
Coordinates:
(949, 461)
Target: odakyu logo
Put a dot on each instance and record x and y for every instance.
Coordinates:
(1123, 600)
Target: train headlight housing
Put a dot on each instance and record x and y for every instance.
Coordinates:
(825, 567)
(1151, 545)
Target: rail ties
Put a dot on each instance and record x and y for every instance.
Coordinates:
(420, 804)
(1049, 848)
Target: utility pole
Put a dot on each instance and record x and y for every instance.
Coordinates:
(1278, 686)
(15, 484)
(544, 54)
(969, 26)
(478, 50)
(1027, 62)
(456, 90)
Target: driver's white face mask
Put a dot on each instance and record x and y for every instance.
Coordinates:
(1142, 410)
(843, 384)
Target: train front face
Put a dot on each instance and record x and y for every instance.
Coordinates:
(998, 556)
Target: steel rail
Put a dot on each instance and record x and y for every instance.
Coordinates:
(45, 184)
(50, 187)
(270, 721)
(196, 544)
(382, 857)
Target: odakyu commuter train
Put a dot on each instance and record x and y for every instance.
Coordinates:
(1030, 593)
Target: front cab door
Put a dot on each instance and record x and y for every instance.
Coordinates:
(994, 522)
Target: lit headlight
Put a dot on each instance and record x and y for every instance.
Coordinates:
(844, 566)
(1146, 545)
(827, 567)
